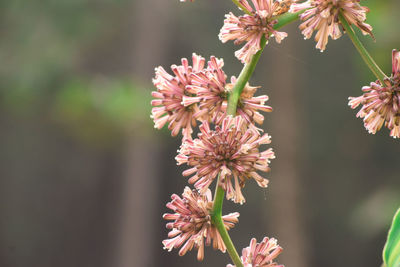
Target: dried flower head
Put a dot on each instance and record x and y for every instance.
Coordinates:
(251, 28)
(168, 105)
(260, 254)
(323, 16)
(231, 150)
(381, 102)
(192, 223)
(212, 89)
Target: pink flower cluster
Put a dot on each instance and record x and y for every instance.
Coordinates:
(381, 102)
(199, 92)
(196, 93)
(192, 223)
(232, 151)
(228, 146)
(170, 93)
(252, 28)
(323, 16)
(260, 254)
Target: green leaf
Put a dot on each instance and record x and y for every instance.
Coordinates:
(391, 251)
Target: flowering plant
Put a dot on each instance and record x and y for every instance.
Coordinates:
(227, 148)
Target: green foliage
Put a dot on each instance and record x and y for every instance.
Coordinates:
(391, 252)
(382, 15)
(102, 108)
(117, 100)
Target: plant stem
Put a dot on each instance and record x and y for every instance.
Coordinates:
(242, 80)
(240, 6)
(248, 68)
(216, 217)
(286, 18)
(245, 74)
(380, 75)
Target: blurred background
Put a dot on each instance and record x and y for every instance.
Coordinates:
(84, 177)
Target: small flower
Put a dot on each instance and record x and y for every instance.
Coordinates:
(231, 150)
(322, 16)
(381, 102)
(251, 28)
(168, 105)
(212, 89)
(192, 223)
(260, 254)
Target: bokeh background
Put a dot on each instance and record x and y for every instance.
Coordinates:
(84, 177)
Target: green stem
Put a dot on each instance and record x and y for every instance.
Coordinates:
(248, 68)
(240, 6)
(380, 75)
(233, 99)
(286, 18)
(216, 217)
(242, 80)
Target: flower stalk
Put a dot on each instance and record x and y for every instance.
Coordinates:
(233, 99)
(249, 68)
(231, 151)
(380, 75)
(216, 218)
(286, 18)
(242, 80)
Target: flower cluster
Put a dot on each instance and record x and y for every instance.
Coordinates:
(199, 93)
(227, 148)
(171, 90)
(323, 16)
(192, 223)
(260, 254)
(213, 91)
(381, 102)
(231, 150)
(251, 28)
